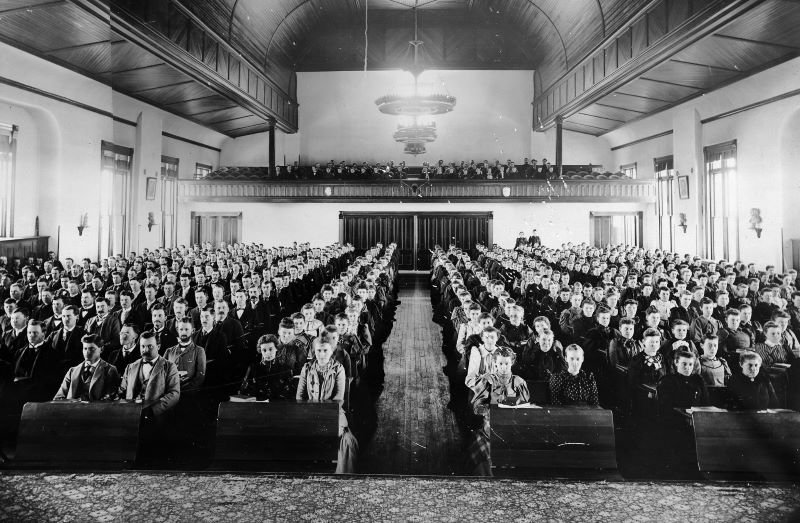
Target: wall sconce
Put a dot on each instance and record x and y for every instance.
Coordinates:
(756, 221)
(682, 221)
(151, 220)
(328, 191)
(506, 192)
(83, 223)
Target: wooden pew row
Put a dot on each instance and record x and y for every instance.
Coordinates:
(278, 436)
(552, 439)
(764, 444)
(75, 434)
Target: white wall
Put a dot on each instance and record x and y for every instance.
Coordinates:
(767, 137)
(318, 223)
(577, 149)
(253, 150)
(339, 119)
(59, 150)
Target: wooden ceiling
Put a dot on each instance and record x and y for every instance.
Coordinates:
(63, 32)
(763, 37)
(281, 37)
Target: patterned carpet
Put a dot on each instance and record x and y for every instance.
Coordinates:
(157, 497)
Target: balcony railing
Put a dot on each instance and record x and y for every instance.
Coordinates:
(642, 191)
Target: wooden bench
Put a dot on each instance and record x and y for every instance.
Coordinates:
(277, 436)
(764, 444)
(77, 434)
(553, 439)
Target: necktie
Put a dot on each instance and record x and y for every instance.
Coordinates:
(87, 372)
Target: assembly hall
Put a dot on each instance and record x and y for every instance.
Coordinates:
(399, 260)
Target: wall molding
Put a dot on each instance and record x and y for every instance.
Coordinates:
(96, 110)
(640, 140)
(754, 105)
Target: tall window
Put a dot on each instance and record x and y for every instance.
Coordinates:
(720, 202)
(615, 228)
(8, 150)
(169, 201)
(665, 179)
(115, 198)
(629, 170)
(201, 170)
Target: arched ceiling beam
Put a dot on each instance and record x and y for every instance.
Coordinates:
(602, 16)
(560, 38)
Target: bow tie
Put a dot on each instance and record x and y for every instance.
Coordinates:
(148, 363)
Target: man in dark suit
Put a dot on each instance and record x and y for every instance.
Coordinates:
(86, 310)
(127, 313)
(211, 338)
(151, 379)
(164, 338)
(36, 368)
(105, 325)
(243, 313)
(128, 351)
(91, 380)
(16, 338)
(534, 239)
(66, 341)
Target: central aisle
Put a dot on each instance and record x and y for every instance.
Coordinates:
(416, 432)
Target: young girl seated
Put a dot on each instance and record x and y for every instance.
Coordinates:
(267, 379)
(312, 327)
(480, 357)
(713, 369)
(499, 386)
(473, 326)
(751, 389)
(645, 370)
(539, 359)
(323, 379)
(573, 386)
(679, 340)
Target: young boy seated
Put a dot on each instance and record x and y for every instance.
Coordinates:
(713, 369)
(683, 389)
(267, 379)
(573, 386)
(751, 389)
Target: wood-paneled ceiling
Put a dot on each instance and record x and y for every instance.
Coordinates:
(281, 37)
(764, 36)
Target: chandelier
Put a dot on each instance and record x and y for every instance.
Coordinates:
(419, 105)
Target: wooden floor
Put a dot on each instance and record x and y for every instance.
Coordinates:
(416, 433)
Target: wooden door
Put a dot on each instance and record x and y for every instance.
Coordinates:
(216, 228)
(364, 230)
(465, 230)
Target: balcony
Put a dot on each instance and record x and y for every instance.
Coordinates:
(626, 190)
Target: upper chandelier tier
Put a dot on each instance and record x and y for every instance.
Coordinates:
(416, 104)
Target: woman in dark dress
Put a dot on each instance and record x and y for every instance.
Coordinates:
(573, 386)
(267, 378)
(750, 389)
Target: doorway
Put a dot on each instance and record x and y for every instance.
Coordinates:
(415, 233)
(615, 228)
(216, 228)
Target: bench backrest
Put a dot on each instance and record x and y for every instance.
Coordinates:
(560, 438)
(77, 434)
(270, 436)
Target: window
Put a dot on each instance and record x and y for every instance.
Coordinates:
(615, 228)
(202, 170)
(8, 150)
(115, 198)
(629, 170)
(720, 199)
(169, 201)
(665, 180)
